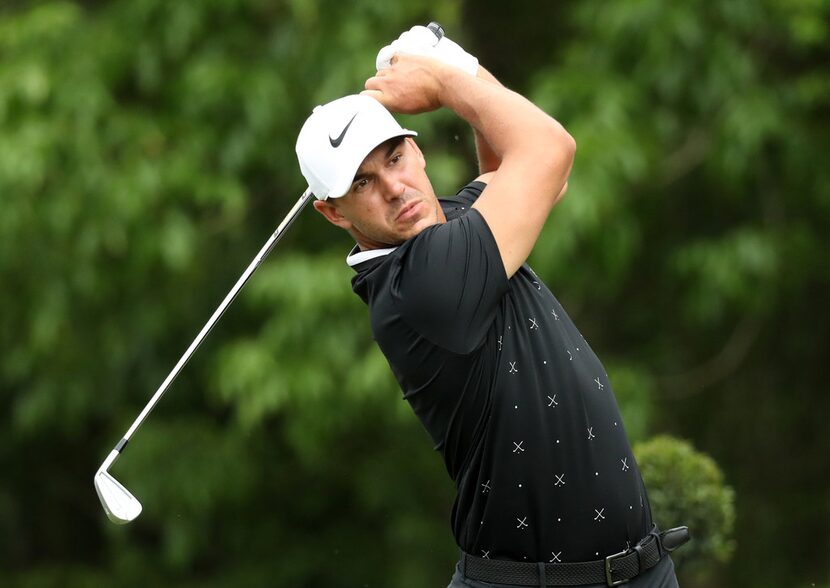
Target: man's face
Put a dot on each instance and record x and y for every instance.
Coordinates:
(391, 198)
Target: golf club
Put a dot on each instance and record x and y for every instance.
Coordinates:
(119, 504)
(437, 30)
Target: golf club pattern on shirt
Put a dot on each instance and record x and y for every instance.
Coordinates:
(569, 358)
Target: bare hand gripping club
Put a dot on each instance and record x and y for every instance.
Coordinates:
(121, 506)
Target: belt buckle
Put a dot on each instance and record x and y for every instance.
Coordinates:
(609, 580)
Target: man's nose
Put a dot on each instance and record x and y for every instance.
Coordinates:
(393, 187)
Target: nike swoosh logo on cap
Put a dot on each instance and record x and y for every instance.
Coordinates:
(336, 142)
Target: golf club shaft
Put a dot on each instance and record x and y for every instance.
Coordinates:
(263, 253)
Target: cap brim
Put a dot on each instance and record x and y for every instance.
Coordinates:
(341, 187)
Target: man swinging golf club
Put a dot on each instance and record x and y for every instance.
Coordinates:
(515, 400)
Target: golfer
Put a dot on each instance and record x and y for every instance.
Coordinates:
(515, 400)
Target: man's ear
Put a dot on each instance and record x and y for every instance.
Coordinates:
(328, 210)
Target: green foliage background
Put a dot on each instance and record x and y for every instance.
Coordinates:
(147, 152)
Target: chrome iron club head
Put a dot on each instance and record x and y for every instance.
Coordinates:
(119, 504)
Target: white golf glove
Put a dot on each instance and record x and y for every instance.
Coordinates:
(422, 41)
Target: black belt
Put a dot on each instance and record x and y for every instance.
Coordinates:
(613, 570)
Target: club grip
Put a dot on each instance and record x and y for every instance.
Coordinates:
(436, 29)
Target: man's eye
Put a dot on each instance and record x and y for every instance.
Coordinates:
(360, 184)
(395, 158)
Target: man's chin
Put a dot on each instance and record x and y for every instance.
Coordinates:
(418, 226)
(403, 234)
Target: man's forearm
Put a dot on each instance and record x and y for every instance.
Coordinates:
(506, 122)
(488, 161)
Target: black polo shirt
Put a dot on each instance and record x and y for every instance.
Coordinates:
(515, 400)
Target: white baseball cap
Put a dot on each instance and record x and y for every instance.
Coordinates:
(337, 137)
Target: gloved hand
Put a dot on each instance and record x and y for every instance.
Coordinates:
(422, 41)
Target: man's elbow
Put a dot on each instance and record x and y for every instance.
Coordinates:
(559, 153)
(565, 146)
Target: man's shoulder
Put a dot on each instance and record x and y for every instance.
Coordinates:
(463, 199)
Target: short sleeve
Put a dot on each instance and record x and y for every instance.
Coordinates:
(450, 283)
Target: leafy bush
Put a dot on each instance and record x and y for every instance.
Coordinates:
(686, 487)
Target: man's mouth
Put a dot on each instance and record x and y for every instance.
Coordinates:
(409, 211)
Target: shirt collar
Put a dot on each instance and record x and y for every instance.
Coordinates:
(355, 256)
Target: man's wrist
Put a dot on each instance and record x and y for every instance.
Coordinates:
(485, 75)
(449, 77)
